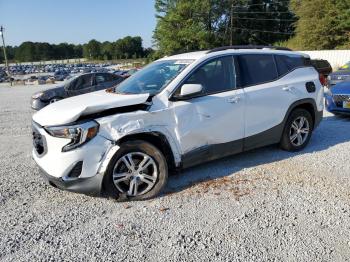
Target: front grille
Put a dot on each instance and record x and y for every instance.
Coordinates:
(38, 141)
(339, 99)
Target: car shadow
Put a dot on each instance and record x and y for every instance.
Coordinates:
(333, 130)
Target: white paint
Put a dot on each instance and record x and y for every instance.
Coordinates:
(267, 104)
(336, 58)
(187, 125)
(70, 109)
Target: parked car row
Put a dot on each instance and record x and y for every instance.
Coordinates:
(61, 72)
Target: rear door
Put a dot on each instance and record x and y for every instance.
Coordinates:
(267, 97)
(82, 85)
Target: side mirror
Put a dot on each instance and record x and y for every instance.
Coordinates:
(189, 91)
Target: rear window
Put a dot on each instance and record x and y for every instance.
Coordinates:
(257, 69)
(287, 63)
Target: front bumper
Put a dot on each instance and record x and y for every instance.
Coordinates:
(89, 186)
(60, 168)
(333, 108)
(37, 104)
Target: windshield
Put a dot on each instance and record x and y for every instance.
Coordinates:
(153, 78)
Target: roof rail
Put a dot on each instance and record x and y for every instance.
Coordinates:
(223, 48)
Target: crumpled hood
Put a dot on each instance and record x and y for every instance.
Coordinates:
(71, 109)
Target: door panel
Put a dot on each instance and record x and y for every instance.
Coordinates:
(266, 106)
(211, 120)
(214, 122)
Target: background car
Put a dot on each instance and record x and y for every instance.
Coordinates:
(324, 68)
(338, 99)
(341, 75)
(75, 86)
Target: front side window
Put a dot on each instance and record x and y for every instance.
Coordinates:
(215, 76)
(153, 78)
(257, 69)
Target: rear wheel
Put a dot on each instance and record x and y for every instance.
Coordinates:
(298, 131)
(138, 171)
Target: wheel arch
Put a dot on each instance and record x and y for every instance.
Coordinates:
(308, 104)
(157, 139)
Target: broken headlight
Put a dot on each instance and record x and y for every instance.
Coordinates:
(79, 134)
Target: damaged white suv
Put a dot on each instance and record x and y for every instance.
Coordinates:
(177, 112)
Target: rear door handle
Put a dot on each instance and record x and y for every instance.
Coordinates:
(234, 100)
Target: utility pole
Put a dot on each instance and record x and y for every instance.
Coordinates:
(2, 29)
(231, 35)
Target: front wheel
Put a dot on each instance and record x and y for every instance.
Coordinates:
(297, 131)
(54, 100)
(138, 171)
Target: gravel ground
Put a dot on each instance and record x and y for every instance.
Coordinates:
(263, 205)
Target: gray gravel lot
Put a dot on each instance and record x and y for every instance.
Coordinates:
(263, 205)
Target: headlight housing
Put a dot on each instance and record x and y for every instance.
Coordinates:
(79, 134)
(37, 95)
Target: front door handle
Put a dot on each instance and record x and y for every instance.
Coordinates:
(234, 100)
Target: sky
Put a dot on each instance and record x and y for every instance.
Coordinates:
(76, 21)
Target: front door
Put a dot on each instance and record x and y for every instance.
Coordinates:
(212, 125)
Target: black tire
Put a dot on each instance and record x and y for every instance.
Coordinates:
(143, 147)
(54, 100)
(286, 143)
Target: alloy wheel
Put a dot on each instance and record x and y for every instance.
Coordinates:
(135, 174)
(299, 131)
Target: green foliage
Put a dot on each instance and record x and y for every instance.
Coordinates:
(185, 25)
(125, 48)
(92, 50)
(322, 24)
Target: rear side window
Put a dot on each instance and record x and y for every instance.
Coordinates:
(101, 78)
(287, 63)
(257, 69)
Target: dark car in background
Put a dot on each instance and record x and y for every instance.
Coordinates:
(338, 99)
(341, 75)
(77, 85)
(324, 68)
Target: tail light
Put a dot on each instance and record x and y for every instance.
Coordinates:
(323, 80)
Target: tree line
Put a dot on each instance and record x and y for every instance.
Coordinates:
(185, 25)
(124, 48)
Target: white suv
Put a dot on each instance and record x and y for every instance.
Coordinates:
(177, 112)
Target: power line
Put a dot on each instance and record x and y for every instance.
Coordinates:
(257, 38)
(264, 19)
(264, 31)
(267, 12)
(248, 5)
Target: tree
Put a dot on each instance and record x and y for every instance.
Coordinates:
(322, 24)
(26, 52)
(184, 25)
(92, 50)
